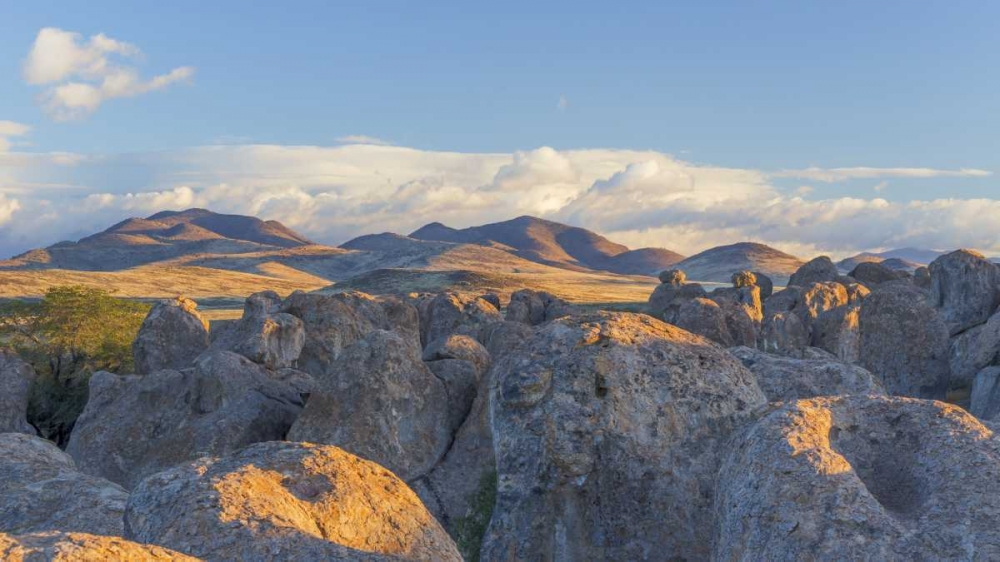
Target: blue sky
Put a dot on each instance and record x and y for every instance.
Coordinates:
(764, 86)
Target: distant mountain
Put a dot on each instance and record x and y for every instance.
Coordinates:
(907, 257)
(555, 244)
(163, 236)
(719, 263)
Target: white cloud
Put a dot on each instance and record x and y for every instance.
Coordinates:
(562, 104)
(10, 129)
(863, 172)
(363, 139)
(880, 186)
(8, 207)
(330, 194)
(80, 74)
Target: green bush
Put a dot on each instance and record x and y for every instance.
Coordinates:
(69, 334)
(468, 531)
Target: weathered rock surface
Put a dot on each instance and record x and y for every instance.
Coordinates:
(705, 318)
(667, 299)
(744, 279)
(379, 401)
(263, 335)
(786, 378)
(783, 333)
(334, 322)
(904, 342)
(966, 287)
(500, 338)
(874, 273)
(41, 490)
(985, 399)
(608, 429)
(536, 307)
(171, 337)
(837, 331)
(973, 350)
(135, 426)
(861, 478)
(285, 501)
(461, 347)
(16, 376)
(765, 283)
(450, 313)
(672, 277)
(54, 546)
(818, 270)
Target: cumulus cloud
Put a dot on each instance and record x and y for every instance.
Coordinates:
(331, 194)
(8, 130)
(830, 175)
(7, 208)
(362, 139)
(81, 74)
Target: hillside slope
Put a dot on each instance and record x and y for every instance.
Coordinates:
(719, 263)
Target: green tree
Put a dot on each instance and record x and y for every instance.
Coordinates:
(72, 332)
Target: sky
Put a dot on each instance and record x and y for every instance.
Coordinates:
(814, 127)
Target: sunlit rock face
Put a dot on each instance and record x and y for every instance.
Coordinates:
(56, 546)
(861, 478)
(966, 287)
(41, 490)
(786, 378)
(286, 501)
(608, 429)
(171, 337)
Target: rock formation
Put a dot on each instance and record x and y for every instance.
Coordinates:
(785, 378)
(966, 287)
(451, 313)
(54, 546)
(264, 335)
(16, 376)
(818, 270)
(536, 307)
(171, 337)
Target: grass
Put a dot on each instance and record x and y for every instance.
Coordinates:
(468, 531)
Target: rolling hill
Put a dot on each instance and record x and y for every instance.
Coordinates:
(719, 263)
(903, 258)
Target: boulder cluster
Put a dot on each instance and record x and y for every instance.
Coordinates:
(745, 423)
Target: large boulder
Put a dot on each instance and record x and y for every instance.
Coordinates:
(41, 490)
(16, 376)
(861, 478)
(872, 274)
(667, 299)
(837, 331)
(985, 395)
(501, 337)
(966, 287)
(381, 402)
(451, 313)
(765, 283)
(264, 335)
(285, 501)
(705, 318)
(54, 546)
(785, 378)
(335, 322)
(135, 426)
(783, 333)
(171, 337)
(973, 350)
(536, 307)
(818, 270)
(904, 342)
(608, 429)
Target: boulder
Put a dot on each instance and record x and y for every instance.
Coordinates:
(54, 546)
(747, 297)
(922, 277)
(856, 292)
(263, 335)
(667, 299)
(786, 378)
(861, 478)
(536, 307)
(334, 322)
(171, 337)
(492, 298)
(16, 376)
(285, 501)
(608, 429)
(765, 283)
(985, 397)
(456, 346)
(41, 490)
(500, 338)
(451, 313)
(874, 273)
(818, 298)
(379, 401)
(673, 277)
(837, 331)
(904, 342)
(973, 350)
(783, 333)
(744, 279)
(705, 318)
(135, 426)
(818, 270)
(966, 287)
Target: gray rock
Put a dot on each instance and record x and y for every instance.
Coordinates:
(744, 279)
(456, 346)
(837, 331)
(786, 378)
(285, 501)
(492, 298)
(783, 333)
(54, 546)
(705, 318)
(41, 490)
(16, 376)
(171, 337)
(500, 338)
(874, 273)
(451, 313)
(608, 429)
(135, 426)
(263, 335)
(536, 307)
(818, 270)
(667, 299)
(904, 342)
(765, 283)
(922, 277)
(380, 401)
(861, 478)
(973, 350)
(966, 287)
(673, 277)
(985, 398)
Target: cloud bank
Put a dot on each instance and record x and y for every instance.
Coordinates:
(81, 74)
(331, 194)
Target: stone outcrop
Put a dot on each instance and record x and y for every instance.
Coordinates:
(705, 318)
(672, 292)
(171, 337)
(837, 331)
(264, 335)
(783, 333)
(135, 426)
(973, 350)
(587, 416)
(536, 307)
(379, 401)
(904, 342)
(41, 490)
(985, 396)
(765, 283)
(744, 279)
(16, 376)
(54, 546)
(281, 501)
(873, 274)
(460, 362)
(966, 287)
(451, 313)
(818, 270)
(501, 337)
(785, 378)
(861, 478)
